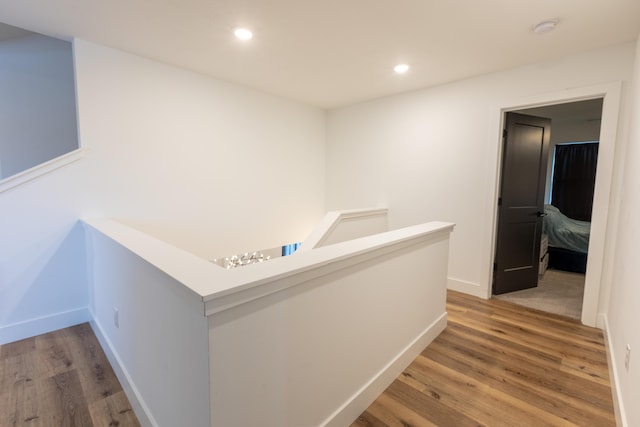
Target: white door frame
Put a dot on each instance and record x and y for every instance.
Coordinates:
(610, 93)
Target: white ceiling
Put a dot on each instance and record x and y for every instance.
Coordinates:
(7, 32)
(332, 53)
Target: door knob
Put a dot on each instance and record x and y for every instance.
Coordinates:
(540, 214)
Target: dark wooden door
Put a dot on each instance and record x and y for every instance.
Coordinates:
(521, 203)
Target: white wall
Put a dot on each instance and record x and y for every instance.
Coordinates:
(433, 154)
(340, 226)
(160, 344)
(623, 314)
(208, 166)
(42, 259)
(333, 337)
(37, 106)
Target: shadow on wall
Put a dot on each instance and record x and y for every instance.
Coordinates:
(51, 293)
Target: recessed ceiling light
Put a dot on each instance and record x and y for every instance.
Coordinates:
(401, 68)
(545, 26)
(243, 33)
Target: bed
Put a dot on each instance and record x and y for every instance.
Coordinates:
(568, 240)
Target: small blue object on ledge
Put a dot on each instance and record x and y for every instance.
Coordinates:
(290, 249)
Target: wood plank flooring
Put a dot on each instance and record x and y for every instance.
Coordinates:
(496, 364)
(499, 364)
(62, 378)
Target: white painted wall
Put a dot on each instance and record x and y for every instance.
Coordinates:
(182, 156)
(160, 344)
(319, 350)
(203, 164)
(340, 226)
(37, 106)
(623, 316)
(42, 259)
(208, 166)
(433, 154)
(163, 293)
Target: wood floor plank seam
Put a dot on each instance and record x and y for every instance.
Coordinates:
(502, 375)
(544, 360)
(62, 378)
(497, 405)
(494, 365)
(527, 338)
(497, 364)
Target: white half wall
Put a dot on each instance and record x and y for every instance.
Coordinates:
(323, 343)
(433, 154)
(149, 299)
(159, 346)
(211, 167)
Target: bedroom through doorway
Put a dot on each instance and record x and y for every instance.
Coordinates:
(568, 203)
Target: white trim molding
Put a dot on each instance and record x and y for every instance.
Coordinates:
(379, 383)
(466, 287)
(611, 95)
(43, 325)
(360, 222)
(40, 170)
(292, 271)
(138, 405)
(616, 393)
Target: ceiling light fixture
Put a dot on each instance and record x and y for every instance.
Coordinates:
(401, 68)
(243, 33)
(545, 26)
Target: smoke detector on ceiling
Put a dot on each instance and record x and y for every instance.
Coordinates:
(545, 26)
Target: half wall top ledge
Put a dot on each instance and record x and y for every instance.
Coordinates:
(221, 289)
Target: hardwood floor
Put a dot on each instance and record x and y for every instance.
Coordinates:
(62, 378)
(498, 364)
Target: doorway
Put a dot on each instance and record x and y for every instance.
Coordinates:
(561, 289)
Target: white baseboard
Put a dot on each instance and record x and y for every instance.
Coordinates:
(467, 288)
(42, 325)
(137, 403)
(361, 400)
(618, 405)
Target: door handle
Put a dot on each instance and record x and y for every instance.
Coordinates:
(540, 214)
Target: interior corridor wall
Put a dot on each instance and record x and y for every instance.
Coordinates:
(433, 154)
(623, 314)
(206, 165)
(37, 105)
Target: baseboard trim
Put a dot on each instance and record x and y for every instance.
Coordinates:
(361, 400)
(42, 325)
(135, 398)
(618, 405)
(465, 287)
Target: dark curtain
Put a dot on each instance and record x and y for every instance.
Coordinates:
(574, 178)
